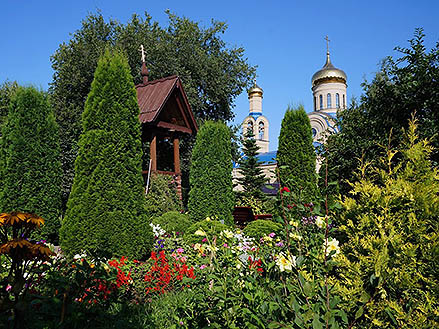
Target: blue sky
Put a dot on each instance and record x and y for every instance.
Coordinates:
(285, 39)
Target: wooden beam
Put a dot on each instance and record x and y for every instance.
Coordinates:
(153, 153)
(176, 156)
(167, 125)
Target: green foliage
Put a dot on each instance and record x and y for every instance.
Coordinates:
(261, 227)
(105, 211)
(391, 224)
(212, 228)
(212, 73)
(404, 85)
(173, 221)
(7, 89)
(296, 156)
(162, 196)
(253, 178)
(211, 192)
(259, 207)
(30, 170)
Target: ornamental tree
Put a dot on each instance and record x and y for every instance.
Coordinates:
(105, 211)
(30, 169)
(296, 156)
(388, 264)
(253, 177)
(211, 193)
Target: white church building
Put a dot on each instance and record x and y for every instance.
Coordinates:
(328, 85)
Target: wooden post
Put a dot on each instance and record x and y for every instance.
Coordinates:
(177, 156)
(153, 153)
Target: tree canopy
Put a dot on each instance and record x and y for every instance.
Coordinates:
(402, 87)
(212, 72)
(105, 211)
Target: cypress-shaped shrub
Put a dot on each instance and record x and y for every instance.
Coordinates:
(105, 211)
(211, 193)
(253, 177)
(30, 169)
(162, 196)
(296, 156)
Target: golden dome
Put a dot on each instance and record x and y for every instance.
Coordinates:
(255, 90)
(328, 71)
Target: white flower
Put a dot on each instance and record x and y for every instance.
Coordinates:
(285, 263)
(227, 234)
(157, 230)
(332, 246)
(320, 222)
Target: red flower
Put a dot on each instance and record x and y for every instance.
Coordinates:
(285, 189)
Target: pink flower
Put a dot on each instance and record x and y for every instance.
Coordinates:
(183, 259)
(204, 240)
(225, 245)
(202, 267)
(8, 287)
(272, 234)
(180, 250)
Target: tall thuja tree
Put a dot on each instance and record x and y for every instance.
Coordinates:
(7, 89)
(296, 156)
(30, 169)
(105, 212)
(253, 177)
(211, 193)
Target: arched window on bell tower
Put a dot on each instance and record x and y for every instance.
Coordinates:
(321, 101)
(328, 101)
(337, 100)
(261, 130)
(250, 126)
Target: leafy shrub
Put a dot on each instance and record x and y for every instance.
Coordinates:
(211, 183)
(259, 206)
(173, 221)
(162, 196)
(259, 228)
(210, 227)
(389, 263)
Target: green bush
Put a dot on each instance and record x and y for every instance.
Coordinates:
(105, 211)
(173, 221)
(210, 227)
(391, 228)
(211, 183)
(296, 156)
(30, 169)
(261, 227)
(162, 196)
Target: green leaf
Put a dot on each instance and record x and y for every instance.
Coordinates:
(359, 312)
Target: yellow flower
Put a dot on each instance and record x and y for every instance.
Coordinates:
(320, 222)
(295, 236)
(227, 234)
(200, 232)
(285, 263)
(332, 246)
(294, 223)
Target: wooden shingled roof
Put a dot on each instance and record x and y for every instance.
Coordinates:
(163, 104)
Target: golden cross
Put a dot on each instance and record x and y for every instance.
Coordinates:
(327, 44)
(142, 50)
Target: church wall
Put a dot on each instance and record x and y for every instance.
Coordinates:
(332, 88)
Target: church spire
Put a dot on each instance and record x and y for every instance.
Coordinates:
(144, 72)
(328, 59)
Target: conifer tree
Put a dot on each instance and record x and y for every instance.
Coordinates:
(211, 193)
(253, 177)
(105, 211)
(30, 168)
(296, 156)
